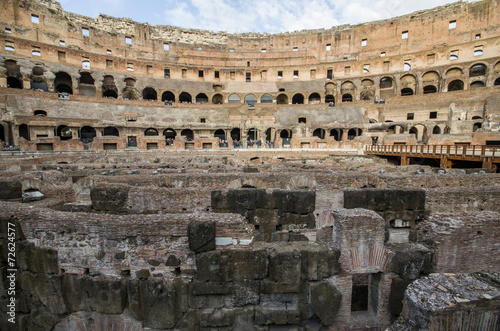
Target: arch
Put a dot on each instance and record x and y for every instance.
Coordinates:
(454, 72)
(476, 126)
(286, 133)
(37, 71)
(167, 96)
(150, 132)
(314, 98)
(330, 99)
(110, 94)
(14, 82)
(221, 134)
(169, 133)
(477, 118)
(201, 98)
(406, 66)
(24, 131)
(353, 133)
(149, 93)
(414, 131)
(188, 134)
(87, 134)
(336, 134)
(477, 69)
(109, 89)
(185, 97)
(63, 83)
(497, 81)
(477, 84)
(253, 134)
(217, 99)
(430, 89)
(436, 130)
(234, 98)
(282, 99)
(40, 113)
(367, 82)
(235, 134)
(298, 98)
(2, 133)
(250, 99)
(447, 130)
(266, 98)
(346, 97)
(406, 91)
(455, 85)
(86, 78)
(129, 81)
(64, 132)
(386, 82)
(110, 131)
(320, 133)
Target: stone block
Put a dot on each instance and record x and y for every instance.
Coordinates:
(74, 296)
(45, 290)
(207, 301)
(245, 292)
(249, 265)
(11, 190)
(201, 236)
(216, 317)
(32, 196)
(213, 266)
(317, 265)
(295, 202)
(325, 301)
(284, 273)
(109, 199)
(210, 288)
(106, 296)
(398, 288)
(38, 260)
(411, 261)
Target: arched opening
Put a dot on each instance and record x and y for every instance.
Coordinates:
(477, 118)
(151, 132)
(269, 132)
(110, 131)
(386, 82)
(201, 98)
(347, 97)
(391, 129)
(282, 99)
(42, 113)
(149, 93)
(286, 133)
(64, 132)
(185, 97)
(234, 98)
(250, 99)
(86, 84)
(330, 99)
(477, 84)
(353, 133)
(24, 131)
(169, 134)
(86, 78)
(298, 99)
(406, 91)
(168, 96)
(477, 70)
(63, 83)
(436, 130)
(110, 94)
(414, 131)
(266, 98)
(320, 133)
(336, 134)
(218, 99)
(87, 134)
(188, 134)
(406, 66)
(38, 82)
(456, 85)
(235, 134)
(2, 133)
(14, 82)
(221, 134)
(476, 127)
(430, 89)
(497, 81)
(252, 134)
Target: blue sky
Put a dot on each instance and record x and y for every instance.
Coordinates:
(250, 15)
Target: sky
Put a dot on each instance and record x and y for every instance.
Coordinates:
(238, 16)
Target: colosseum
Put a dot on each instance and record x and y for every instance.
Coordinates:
(165, 178)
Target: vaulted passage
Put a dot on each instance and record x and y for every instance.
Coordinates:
(63, 83)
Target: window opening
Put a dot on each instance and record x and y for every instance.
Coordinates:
(85, 32)
(35, 19)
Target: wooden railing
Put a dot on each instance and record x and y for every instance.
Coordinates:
(437, 150)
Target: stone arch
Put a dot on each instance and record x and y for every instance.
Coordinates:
(266, 98)
(456, 85)
(86, 78)
(314, 98)
(367, 93)
(38, 81)
(250, 99)
(386, 82)
(430, 89)
(430, 81)
(14, 82)
(454, 72)
(348, 90)
(336, 134)
(151, 132)
(201, 98)
(497, 81)
(188, 134)
(478, 69)
(286, 133)
(185, 97)
(236, 134)
(477, 84)
(86, 84)
(408, 85)
(353, 133)
(234, 98)
(109, 89)
(253, 134)
(319, 132)
(217, 99)
(24, 131)
(149, 93)
(110, 131)
(87, 134)
(169, 133)
(129, 81)
(282, 99)
(330, 99)
(347, 97)
(420, 132)
(64, 132)
(387, 87)
(221, 134)
(168, 96)
(63, 83)
(406, 91)
(436, 130)
(298, 98)
(40, 112)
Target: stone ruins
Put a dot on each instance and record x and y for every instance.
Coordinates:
(162, 178)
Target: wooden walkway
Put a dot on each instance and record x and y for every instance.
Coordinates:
(488, 156)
